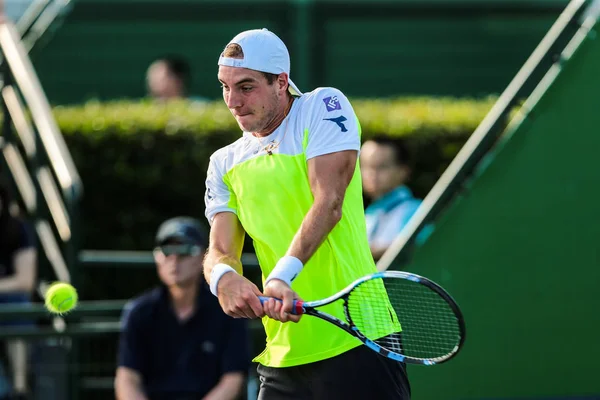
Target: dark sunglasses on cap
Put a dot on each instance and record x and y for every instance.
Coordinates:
(179, 249)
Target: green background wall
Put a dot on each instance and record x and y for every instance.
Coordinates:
(366, 48)
(519, 251)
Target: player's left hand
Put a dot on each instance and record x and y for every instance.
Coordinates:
(280, 310)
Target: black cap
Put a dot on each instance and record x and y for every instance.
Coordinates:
(184, 229)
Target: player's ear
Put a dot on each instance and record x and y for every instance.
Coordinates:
(282, 82)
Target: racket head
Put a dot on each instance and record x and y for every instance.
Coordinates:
(405, 317)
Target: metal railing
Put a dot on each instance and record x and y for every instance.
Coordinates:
(36, 19)
(43, 172)
(485, 136)
(45, 175)
(144, 259)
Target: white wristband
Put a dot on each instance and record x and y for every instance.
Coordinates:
(215, 275)
(286, 269)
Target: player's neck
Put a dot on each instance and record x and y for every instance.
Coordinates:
(277, 120)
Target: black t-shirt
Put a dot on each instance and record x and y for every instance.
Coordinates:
(7, 253)
(181, 360)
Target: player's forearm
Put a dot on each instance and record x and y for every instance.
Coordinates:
(214, 257)
(320, 220)
(226, 243)
(229, 387)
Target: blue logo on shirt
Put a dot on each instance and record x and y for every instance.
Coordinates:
(338, 121)
(332, 103)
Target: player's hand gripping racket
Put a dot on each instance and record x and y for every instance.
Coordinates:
(400, 315)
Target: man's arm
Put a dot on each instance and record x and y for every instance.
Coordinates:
(128, 385)
(226, 243)
(229, 387)
(237, 295)
(329, 176)
(23, 280)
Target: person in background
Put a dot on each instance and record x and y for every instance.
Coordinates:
(176, 342)
(169, 78)
(18, 266)
(385, 169)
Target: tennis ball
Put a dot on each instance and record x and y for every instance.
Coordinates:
(61, 298)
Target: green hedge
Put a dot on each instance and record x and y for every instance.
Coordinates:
(142, 162)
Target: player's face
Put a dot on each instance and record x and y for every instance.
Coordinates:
(178, 270)
(251, 99)
(379, 170)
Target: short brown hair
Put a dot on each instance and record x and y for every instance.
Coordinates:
(234, 50)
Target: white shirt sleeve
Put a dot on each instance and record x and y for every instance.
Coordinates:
(333, 125)
(218, 196)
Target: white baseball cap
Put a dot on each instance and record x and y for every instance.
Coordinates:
(263, 51)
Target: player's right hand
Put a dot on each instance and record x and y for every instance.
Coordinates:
(239, 297)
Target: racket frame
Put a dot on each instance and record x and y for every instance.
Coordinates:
(309, 308)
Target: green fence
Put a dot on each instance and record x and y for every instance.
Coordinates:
(366, 48)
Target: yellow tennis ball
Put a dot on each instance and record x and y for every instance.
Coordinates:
(61, 298)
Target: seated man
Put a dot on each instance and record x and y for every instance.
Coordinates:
(176, 342)
(385, 168)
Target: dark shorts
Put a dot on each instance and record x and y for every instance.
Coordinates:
(356, 374)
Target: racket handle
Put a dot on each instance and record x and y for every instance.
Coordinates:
(297, 307)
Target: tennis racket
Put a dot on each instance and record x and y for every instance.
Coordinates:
(400, 315)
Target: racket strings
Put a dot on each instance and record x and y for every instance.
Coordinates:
(404, 317)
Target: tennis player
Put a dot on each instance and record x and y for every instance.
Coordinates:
(292, 183)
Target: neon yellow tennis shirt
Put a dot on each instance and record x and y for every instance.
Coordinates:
(271, 194)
